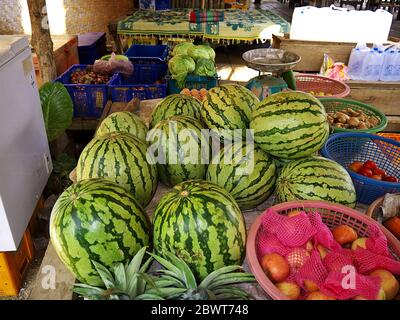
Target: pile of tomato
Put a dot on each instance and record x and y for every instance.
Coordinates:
(371, 170)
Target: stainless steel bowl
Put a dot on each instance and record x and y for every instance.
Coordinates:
(271, 60)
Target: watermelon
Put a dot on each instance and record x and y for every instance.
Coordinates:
(315, 178)
(120, 157)
(97, 220)
(174, 150)
(228, 107)
(290, 125)
(245, 171)
(201, 223)
(175, 105)
(123, 121)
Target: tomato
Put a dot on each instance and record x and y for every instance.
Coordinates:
(379, 171)
(376, 177)
(370, 165)
(389, 179)
(365, 172)
(356, 166)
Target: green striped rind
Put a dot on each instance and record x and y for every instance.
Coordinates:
(290, 125)
(100, 221)
(163, 138)
(245, 171)
(123, 121)
(175, 105)
(228, 106)
(315, 178)
(201, 223)
(120, 157)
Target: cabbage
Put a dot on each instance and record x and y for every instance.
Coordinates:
(180, 66)
(205, 67)
(201, 51)
(182, 48)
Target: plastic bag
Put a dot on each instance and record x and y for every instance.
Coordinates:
(334, 70)
(116, 63)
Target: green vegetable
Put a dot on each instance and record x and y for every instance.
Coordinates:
(57, 109)
(205, 67)
(182, 48)
(180, 66)
(201, 51)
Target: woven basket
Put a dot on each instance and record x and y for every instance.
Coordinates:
(330, 87)
(375, 207)
(339, 104)
(345, 148)
(332, 215)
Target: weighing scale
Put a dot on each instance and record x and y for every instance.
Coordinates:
(278, 63)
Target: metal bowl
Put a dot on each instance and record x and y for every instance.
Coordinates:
(271, 60)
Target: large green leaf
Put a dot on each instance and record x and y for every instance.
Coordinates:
(57, 108)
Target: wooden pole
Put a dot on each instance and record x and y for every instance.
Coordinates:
(41, 39)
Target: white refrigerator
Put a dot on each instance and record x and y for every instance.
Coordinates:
(25, 162)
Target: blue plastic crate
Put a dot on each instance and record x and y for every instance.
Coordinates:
(147, 53)
(345, 148)
(92, 46)
(149, 73)
(163, 4)
(89, 99)
(193, 82)
(124, 89)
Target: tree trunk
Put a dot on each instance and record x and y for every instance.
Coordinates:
(41, 39)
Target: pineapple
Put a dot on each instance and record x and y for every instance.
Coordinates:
(175, 281)
(218, 285)
(129, 282)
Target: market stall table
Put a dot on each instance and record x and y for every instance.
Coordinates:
(65, 280)
(237, 26)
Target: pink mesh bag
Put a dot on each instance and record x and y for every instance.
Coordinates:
(313, 270)
(291, 231)
(343, 287)
(367, 261)
(377, 242)
(337, 259)
(269, 243)
(323, 235)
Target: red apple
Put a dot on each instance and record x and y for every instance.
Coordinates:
(370, 165)
(275, 267)
(356, 166)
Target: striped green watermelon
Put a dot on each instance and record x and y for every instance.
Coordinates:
(315, 178)
(228, 106)
(175, 105)
(177, 165)
(245, 171)
(120, 157)
(201, 223)
(97, 220)
(290, 125)
(123, 121)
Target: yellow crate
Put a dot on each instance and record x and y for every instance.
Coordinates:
(13, 266)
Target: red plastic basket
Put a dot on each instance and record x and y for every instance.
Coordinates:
(332, 215)
(331, 88)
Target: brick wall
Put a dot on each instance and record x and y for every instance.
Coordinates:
(81, 15)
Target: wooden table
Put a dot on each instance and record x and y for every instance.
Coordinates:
(65, 280)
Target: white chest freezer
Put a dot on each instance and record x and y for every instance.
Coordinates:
(25, 162)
